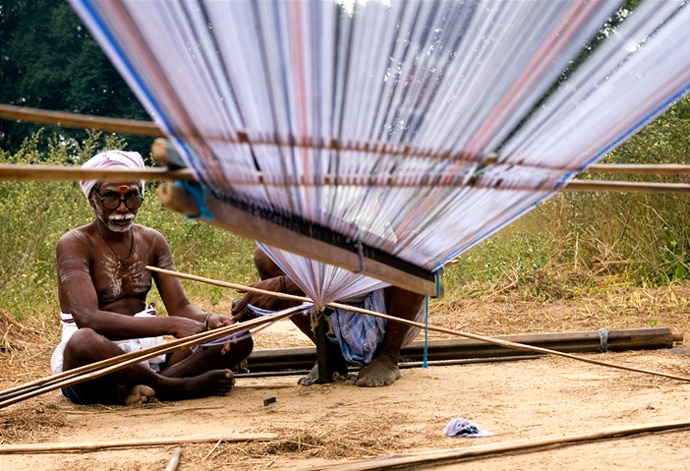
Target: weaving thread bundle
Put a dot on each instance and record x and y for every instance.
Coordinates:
(240, 88)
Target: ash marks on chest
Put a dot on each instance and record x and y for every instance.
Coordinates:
(117, 282)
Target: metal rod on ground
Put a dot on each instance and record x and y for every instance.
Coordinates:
(404, 364)
(482, 338)
(300, 358)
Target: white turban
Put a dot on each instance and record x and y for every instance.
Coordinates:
(111, 158)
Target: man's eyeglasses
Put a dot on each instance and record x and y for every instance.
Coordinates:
(112, 201)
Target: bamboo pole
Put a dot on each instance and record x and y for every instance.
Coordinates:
(626, 187)
(441, 457)
(147, 128)
(493, 340)
(648, 169)
(137, 443)
(79, 121)
(403, 364)
(44, 173)
(74, 173)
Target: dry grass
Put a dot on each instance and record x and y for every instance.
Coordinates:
(502, 312)
(15, 335)
(30, 425)
(312, 441)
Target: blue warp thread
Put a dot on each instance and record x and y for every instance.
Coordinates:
(197, 191)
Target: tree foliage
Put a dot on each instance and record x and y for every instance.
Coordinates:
(49, 60)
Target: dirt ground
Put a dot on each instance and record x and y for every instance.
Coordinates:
(322, 426)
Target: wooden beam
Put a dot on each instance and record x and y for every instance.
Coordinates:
(395, 271)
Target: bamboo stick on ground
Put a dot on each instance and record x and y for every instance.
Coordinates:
(138, 443)
(441, 457)
(457, 349)
(402, 365)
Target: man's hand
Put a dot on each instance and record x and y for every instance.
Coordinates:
(184, 327)
(280, 284)
(216, 321)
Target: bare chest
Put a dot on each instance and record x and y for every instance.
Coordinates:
(115, 280)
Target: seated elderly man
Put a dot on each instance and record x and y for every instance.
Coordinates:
(102, 285)
(360, 340)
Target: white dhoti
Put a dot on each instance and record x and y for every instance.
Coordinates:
(69, 327)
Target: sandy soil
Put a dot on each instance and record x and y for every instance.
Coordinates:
(326, 425)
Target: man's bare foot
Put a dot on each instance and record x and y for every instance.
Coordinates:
(212, 383)
(313, 377)
(382, 371)
(140, 395)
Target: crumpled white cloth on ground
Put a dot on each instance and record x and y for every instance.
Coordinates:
(460, 427)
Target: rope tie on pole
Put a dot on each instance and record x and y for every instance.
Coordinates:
(604, 340)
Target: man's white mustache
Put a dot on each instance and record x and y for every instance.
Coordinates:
(121, 217)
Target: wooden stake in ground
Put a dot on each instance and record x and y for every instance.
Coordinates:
(174, 460)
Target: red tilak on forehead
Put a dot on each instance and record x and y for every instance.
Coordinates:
(123, 187)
